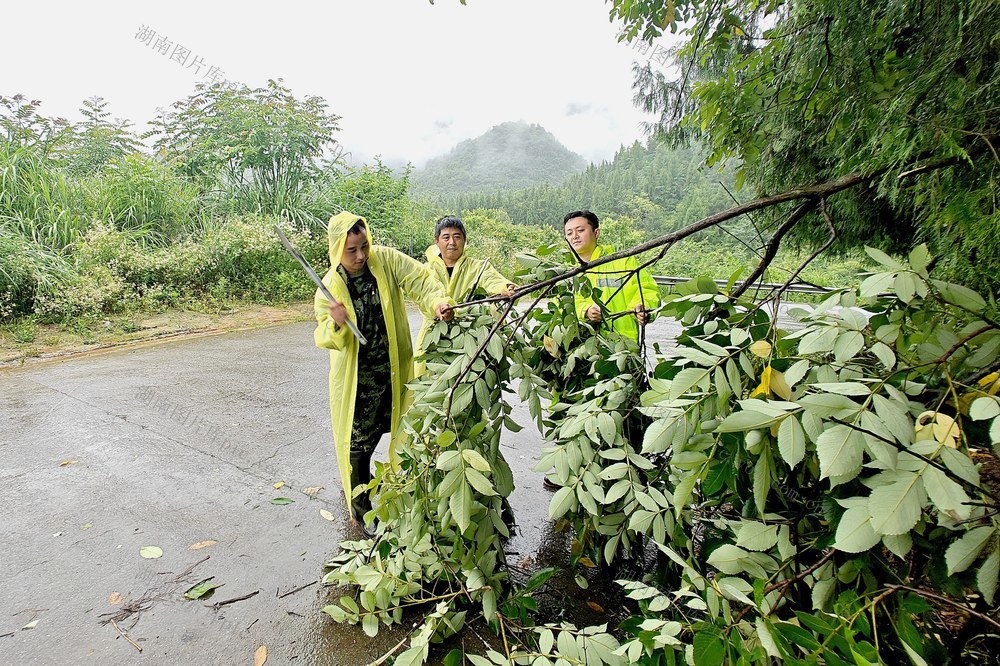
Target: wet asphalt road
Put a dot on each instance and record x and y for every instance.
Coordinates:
(174, 444)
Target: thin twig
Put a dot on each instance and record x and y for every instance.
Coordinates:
(298, 589)
(125, 636)
(219, 604)
(946, 600)
(771, 249)
(187, 571)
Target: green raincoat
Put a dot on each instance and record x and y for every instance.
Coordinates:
(608, 277)
(396, 274)
(458, 284)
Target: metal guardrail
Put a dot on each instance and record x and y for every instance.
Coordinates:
(797, 287)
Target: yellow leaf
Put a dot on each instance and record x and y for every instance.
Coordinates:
(761, 348)
(550, 346)
(202, 544)
(116, 598)
(587, 562)
(65, 463)
(772, 382)
(738, 30)
(991, 383)
(151, 552)
(312, 491)
(260, 656)
(779, 386)
(279, 484)
(326, 514)
(943, 428)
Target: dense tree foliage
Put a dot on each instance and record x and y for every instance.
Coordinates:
(802, 92)
(510, 155)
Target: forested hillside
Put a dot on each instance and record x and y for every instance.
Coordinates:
(659, 187)
(509, 156)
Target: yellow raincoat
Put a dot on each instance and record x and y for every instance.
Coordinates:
(608, 278)
(458, 284)
(396, 274)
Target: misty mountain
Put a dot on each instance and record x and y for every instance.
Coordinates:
(510, 156)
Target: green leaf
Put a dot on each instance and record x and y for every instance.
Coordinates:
(449, 460)
(840, 452)
(282, 500)
(986, 579)
(657, 437)
(762, 480)
(791, 441)
(479, 482)
(476, 460)
(895, 417)
(607, 427)
(895, 508)
(984, 408)
(960, 296)
(826, 405)
(728, 559)
(757, 536)
(855, 533)
(882, 258)
(202, 589)
(963, 552)
(745, 420)
(446, 438)
(370, 624)
(685, 379)
(947, 495)
(847, 346)
(561, 503)
(905, 286)
(709, 647)
(876, 284)
(460, 504)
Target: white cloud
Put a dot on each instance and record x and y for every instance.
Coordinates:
(409, 79)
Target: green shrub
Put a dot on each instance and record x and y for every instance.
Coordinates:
(141, 195)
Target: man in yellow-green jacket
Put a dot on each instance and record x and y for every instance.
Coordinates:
(626, 293)
(456, 271)
(368, 382)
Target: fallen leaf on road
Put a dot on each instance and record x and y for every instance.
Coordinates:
(260, 656)
(282, 500)
(312, 491)
(64, 463)
(116, 598)
(202, 544)
(279, 484)
(30, 625)
(326, 514)
(86, 526)
(202, 589)
(151, 552)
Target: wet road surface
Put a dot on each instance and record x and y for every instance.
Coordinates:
(172, 445)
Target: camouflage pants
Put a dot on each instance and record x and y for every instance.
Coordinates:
(372, 409)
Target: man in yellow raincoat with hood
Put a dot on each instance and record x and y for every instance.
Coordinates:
(368, 382)
(625, 291)
(456, 271)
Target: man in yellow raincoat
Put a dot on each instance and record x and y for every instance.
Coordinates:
(368, 382)
(456, 271)
(623, 290)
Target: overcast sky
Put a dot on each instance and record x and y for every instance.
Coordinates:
(409, 79)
